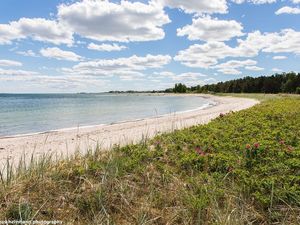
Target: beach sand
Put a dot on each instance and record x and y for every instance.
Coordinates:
(67, 141)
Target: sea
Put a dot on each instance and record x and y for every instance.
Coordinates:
(35, 113)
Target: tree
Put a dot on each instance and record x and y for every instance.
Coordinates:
(285, 82)
(180, 88)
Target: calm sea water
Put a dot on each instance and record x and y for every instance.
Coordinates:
(30, 113)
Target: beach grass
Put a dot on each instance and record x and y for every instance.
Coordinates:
(241, 168)
(260, 96)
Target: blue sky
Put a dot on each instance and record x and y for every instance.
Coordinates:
(94, 46)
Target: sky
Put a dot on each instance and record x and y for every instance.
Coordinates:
(67, 46)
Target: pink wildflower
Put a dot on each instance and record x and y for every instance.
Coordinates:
(256, 145)
(199, 151)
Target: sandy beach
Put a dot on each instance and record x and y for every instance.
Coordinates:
(68, 141)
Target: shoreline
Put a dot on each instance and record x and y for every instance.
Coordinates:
(67, 141)
(208, 105)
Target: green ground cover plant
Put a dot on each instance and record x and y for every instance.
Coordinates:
(241, 168)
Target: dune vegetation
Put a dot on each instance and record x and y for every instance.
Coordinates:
(241, 168)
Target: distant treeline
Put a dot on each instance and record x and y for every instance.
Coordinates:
(278, 83)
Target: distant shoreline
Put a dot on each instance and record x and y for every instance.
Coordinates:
(67, 141)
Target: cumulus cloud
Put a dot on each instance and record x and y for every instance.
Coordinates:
(93, 19)
(279, 57)
(230, 67)
(254, 68)
(38, 29)
(256, 2)
(27, 53)
(106, 47)
(179, 77)
(208, 54)
(107, 21)
(210, 29)
(6, 72)
(237, 64)
(9, 63)
(61, 82)
(9, 33)
(59, 54)
(288, 10)
(189, 78)
(130, 66)
(133, 62)
(231, 71)
(286, 41)
(126, 77)
(196, 6)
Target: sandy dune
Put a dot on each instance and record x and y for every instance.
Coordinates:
(67, 141)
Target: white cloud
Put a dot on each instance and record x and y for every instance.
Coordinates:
(230, 71)
(286, 41)
(181, 76)
(209, 29)
(62, 82)
(59, 54)
(189, 78)
(288, 10)
(256, 2)
(236, 64)
(9, 33)
(279, 57)
(27, 53)
(164, 74)
(126, 77)
(230, 67)
(93, 19)
(296, 1)
(210, 80)
(133, 62)
(277, 70)
(9, 72)
(254, 68)
(38, 29)
(9, 63)
(106, 47)
(119, 67)
(107, 21)
(197, 6)
(208, 54)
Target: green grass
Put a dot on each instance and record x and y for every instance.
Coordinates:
(260, 96)
(242, 168)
